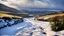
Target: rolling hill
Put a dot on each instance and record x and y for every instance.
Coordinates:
(7, 9)
(11, 11)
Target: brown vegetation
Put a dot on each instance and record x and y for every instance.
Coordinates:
(57, 23)
(46, 17)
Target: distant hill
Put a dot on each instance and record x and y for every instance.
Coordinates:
(7, 9)
(41, 11)
(11, 11)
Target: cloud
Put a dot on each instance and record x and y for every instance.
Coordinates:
(34, 3)
(58, 3)
(7, 3)
(28, 3)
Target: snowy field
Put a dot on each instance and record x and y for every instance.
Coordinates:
(29, 27)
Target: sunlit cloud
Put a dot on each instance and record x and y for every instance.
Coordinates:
(28, 3)
(34, 3)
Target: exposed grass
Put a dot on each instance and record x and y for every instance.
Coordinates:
(46, 17)
(57, 23)
(5, 14)
(22, 14)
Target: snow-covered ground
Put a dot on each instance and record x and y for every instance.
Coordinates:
(45, 26)
(11, 30)
(30, 27)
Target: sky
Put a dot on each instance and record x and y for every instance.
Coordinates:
(34, 3)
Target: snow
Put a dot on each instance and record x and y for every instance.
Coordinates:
(13, 29)
(29, 27)
(12, 21)
(31, 31)
(2, 22)
(45, 26)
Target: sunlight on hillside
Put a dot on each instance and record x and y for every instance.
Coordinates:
(7, 15)
(49, 16)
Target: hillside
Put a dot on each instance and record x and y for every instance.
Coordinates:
(8, 9)
(46, 17)
(8, 15)
(11, 11)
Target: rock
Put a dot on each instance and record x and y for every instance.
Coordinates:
(56, 35)
(6, 18)
(41, 28)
